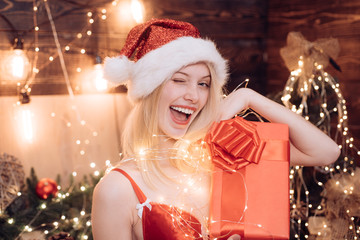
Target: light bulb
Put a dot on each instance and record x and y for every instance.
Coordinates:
(15, 66)
(137, 10)
(100, 83)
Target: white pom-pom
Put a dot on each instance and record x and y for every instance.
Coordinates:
(118, 69)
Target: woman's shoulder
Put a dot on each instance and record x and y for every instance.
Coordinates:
(114, 185)
(114, 206)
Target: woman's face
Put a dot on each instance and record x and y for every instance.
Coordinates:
(182, 98)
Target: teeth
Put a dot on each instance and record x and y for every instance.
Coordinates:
(183, 110)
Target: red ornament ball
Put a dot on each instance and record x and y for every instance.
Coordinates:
(46, 187)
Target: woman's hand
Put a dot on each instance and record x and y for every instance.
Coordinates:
(233, 104)
(234, 237)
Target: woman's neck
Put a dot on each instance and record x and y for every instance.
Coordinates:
(166, 142)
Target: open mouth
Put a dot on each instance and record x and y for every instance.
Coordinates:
(181, 115)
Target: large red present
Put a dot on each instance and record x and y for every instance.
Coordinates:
(250, 183)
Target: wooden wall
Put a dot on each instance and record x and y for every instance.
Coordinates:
(319, 19)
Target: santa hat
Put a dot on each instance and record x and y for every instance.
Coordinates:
(158, 49)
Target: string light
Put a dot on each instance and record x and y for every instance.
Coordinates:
(304, 86)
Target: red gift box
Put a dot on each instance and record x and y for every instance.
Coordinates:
(250, 183)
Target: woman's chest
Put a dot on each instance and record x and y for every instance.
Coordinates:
(190, 193)
(182, 203)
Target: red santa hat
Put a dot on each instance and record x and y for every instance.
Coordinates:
(159, 48)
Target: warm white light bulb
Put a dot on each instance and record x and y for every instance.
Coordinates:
(100, 83)
(137, 11)
(15, 65)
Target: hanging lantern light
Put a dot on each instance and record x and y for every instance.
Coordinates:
(15, 66)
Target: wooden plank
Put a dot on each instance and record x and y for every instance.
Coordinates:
(219, 19)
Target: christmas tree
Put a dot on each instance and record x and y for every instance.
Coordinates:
(324, 200)
(42, 209)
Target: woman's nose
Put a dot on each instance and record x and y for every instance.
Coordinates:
(192, 93)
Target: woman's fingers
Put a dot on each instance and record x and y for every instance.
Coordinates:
(234, 237)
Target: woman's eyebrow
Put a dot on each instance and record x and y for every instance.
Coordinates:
(208, 76)
(188, 74)
(182, 73)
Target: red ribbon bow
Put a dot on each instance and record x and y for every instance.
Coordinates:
(234, 143)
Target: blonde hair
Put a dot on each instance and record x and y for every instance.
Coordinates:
(142, 125)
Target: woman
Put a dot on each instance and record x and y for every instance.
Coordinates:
(161, 190)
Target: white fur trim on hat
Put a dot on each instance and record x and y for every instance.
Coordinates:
(118, 69)
(158, 65)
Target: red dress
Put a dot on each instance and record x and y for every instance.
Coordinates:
(161, 221)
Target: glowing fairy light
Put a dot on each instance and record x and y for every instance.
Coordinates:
(300, 63)
(142, 152)
(137, 11)
(28, 229)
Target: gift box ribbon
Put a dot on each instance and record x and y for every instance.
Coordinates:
(234, 144)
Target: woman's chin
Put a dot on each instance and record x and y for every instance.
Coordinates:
(175, 134)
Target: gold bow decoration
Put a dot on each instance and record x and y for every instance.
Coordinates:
(321, 52)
